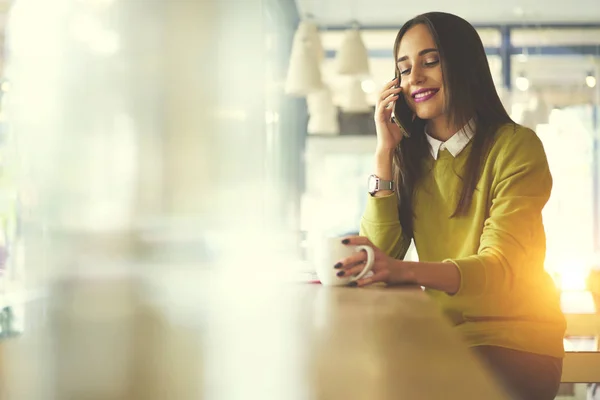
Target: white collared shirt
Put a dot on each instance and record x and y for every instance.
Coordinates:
(455, 144)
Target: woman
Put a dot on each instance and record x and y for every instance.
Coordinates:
(468, 185)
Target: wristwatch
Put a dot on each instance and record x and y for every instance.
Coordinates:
(375, 184)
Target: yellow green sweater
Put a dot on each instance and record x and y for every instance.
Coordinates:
(505, 298)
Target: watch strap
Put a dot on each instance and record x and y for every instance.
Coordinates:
(385, 185)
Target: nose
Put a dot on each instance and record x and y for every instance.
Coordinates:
(416, 76)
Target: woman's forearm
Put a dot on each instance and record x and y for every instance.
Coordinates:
(443, 276)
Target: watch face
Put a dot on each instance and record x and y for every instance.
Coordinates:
(372, 184)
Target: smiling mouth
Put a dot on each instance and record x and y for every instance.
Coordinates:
(425, 95)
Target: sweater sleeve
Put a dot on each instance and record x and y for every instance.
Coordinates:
(381, 224)
(513, 239)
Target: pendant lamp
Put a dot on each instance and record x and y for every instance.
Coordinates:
(352, 57)
(355, 100)
(324, 123)
(323, 113)
(320, 101)
(304, 71)
(308, 30)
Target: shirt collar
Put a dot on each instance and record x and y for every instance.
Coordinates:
(455, 144)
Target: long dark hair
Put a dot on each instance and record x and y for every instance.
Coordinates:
(470, 93)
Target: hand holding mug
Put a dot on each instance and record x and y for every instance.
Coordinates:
(331, 250)
(384, 268)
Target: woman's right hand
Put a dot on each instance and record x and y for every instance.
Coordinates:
(389, 134)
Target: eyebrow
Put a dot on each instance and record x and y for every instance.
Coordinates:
(421, 53)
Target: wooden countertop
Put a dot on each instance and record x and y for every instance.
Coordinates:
(308, 341)
(227, 340)
(382, 343)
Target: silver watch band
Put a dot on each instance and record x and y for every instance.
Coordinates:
(385, 185)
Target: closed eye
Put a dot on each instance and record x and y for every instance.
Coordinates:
(427, 64)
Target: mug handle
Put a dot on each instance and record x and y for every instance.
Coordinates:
(368, 264)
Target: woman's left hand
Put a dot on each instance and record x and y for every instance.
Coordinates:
(385, 268)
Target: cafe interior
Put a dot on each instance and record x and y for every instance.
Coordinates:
(169, 170)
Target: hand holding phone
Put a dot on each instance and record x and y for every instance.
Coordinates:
(389, 133)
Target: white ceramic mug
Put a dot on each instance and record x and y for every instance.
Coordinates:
(329, 252)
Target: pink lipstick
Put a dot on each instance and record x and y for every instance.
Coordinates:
(424, 95)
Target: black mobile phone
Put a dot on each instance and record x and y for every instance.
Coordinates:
(404, 117)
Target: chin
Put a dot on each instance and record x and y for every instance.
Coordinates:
(428, 112)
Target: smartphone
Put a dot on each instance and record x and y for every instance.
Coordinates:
(402, 115)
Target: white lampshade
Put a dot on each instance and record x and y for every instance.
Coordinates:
(355, 100)
(319, 102)
(323, 113)
(352, 58)
(324, 122)
(308, 30)
(304, 73)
